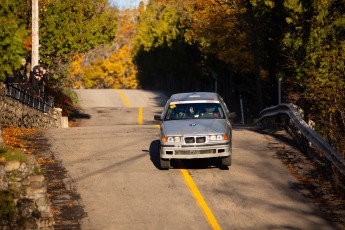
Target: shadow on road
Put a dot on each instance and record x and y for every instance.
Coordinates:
(159, 99)
(154, 153)
(78, 114)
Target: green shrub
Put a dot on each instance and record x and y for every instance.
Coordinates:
(71, 94)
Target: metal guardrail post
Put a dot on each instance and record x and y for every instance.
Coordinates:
(333, 157)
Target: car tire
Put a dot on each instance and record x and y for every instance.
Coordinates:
(165, 164)
(226, 161)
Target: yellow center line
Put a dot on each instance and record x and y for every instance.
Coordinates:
(140, 116)
(201, 201)
(124, 99)
(199, 198)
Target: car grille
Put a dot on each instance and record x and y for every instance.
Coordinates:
(190, 140)
(200, 139)
(193, 152)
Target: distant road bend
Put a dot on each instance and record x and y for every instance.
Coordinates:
(112, 160)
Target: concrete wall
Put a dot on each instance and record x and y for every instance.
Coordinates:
(15, 114)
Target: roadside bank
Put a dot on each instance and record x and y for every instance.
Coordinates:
(65, 205)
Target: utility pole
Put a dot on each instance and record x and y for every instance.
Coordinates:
(35, 38)
(145, 4)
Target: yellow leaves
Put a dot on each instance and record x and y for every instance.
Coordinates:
(288, 20)
(108, 67)
(117, 62)
(117, 71)
(269, 3)
(75, 68)
(93, 75)
(75, 71)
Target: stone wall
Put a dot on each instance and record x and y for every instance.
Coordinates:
(13, 113)
(27, 189)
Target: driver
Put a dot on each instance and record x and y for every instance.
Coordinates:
(191, 112)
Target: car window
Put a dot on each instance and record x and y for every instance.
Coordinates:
(194, 111)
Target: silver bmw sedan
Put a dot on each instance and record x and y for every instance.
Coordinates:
(195, 125)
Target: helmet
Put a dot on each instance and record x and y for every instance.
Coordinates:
(210, 109)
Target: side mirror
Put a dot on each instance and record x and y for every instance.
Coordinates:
(232, 115)
(157, 117)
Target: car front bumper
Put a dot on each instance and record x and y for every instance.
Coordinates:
(195, 151)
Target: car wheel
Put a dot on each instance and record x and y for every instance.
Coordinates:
(165, 164)
(226, 161)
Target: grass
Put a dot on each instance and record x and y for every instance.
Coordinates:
(10, 154)
(7, 207)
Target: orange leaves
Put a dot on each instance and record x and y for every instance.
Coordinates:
(12, 137)
(2, 159)
(25, 139)
(45, 160)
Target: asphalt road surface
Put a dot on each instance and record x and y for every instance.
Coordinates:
(113, 160)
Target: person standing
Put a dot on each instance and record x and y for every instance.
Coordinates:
(35, 82)
(25, 74)
(43, 80)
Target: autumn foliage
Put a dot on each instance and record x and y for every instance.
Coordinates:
(246, 47)
(114, 70)
(242, 48)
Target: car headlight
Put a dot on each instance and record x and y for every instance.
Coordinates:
(171, 139)
(219, 137)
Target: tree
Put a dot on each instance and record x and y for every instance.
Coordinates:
(14, 35)
(69, 27)
(164, 58)
(228, 31)
(108, 66)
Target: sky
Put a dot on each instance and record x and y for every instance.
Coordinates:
(122, 4)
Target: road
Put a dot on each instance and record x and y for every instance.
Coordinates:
(112, 159)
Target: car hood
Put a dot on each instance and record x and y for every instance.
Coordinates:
(195, 127)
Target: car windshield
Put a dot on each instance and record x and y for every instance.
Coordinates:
(194, 111)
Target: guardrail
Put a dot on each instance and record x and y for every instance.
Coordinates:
(29, 100)
(292, 117)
